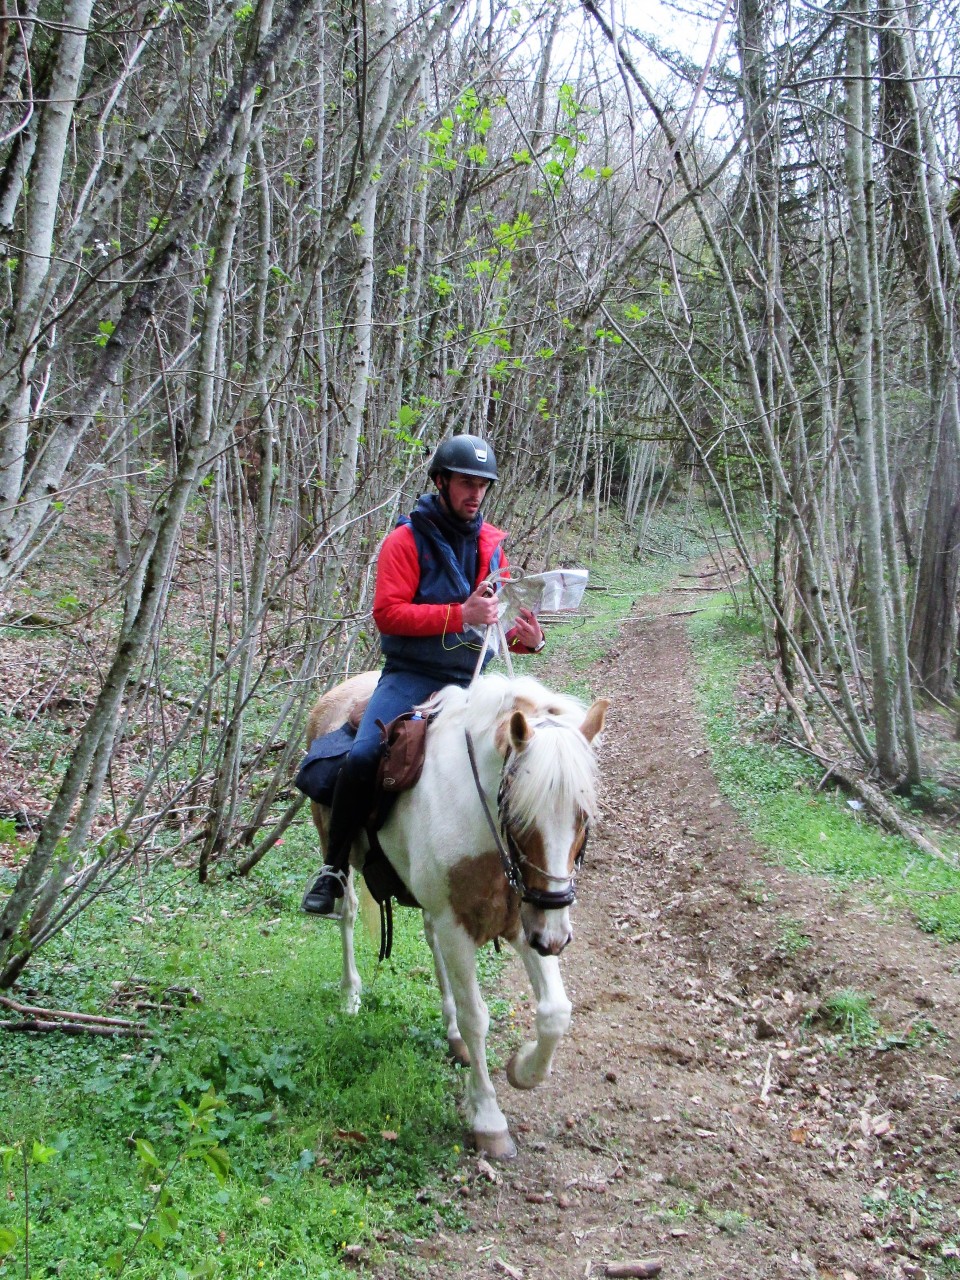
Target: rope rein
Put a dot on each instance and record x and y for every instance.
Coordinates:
(496, 628)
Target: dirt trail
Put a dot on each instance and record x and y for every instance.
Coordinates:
(692, 1116)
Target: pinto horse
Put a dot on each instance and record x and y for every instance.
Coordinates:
(488, 843)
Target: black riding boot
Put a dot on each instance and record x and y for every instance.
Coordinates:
(351, 799)
(322, 896)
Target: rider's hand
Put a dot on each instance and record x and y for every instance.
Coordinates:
(480, 609)
(526, 629)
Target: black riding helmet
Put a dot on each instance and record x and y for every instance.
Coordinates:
(466, 455)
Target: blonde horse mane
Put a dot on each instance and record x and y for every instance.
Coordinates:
(556, 767)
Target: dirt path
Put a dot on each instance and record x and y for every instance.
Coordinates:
(692, 1116)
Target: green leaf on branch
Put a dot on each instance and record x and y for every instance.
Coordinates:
(209, 1102)
(217, 1160)
(148, 1157)
(479, 267)
(568, 102)
(509, 234)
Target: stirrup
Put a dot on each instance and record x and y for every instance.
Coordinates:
(317, 887)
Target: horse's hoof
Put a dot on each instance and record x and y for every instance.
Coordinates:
(495, 1146)
(514, 1078)
(458, 1051)
(350, 1002)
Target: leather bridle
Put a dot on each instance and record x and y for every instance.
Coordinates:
(512, 857)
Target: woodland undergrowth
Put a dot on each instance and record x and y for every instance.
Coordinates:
(251, 1130)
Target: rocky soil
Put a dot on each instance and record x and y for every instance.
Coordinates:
(702, 1117)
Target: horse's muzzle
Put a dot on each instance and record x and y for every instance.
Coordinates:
(547, 937)
(544, 948)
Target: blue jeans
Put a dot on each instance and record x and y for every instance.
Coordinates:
(396, 692)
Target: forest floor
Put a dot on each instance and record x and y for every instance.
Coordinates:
(702, 1115)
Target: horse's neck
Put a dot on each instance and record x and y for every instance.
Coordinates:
(451, 755)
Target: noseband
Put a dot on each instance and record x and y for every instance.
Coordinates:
(512, 857)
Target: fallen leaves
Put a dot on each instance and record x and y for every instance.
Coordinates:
(874, 1126)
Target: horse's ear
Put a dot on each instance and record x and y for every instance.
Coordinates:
(520, 731)
(595, 717)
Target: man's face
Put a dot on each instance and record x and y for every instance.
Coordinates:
(464, 494)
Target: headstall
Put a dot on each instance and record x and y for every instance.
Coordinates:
(512, 857)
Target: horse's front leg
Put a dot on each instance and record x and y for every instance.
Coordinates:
(458, 1050)
(530, 1065)
(487, 1122)
(350, 984)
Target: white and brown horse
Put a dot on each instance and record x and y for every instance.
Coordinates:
(488, 850)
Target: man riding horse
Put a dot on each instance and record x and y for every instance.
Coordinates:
(431, 586)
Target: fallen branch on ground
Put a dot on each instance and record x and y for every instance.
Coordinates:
(698, 591)
(74, 1028)
(881, 809)
(711, 573)
(68, 1022)
(643, 1267)
(676, 613)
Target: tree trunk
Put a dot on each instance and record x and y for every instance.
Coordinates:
(53, 135)
(933, 636)
(379, 77)
(861, 378)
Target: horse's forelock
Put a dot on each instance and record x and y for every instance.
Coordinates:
(557, 766)
(556, 769)
(546, 702)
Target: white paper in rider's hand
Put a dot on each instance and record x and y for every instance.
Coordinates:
(556, 591)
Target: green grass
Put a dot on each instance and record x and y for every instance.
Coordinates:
(774, 791)
(848, 1011)
(792, 941)
(310, 1101)
(897, 1212)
